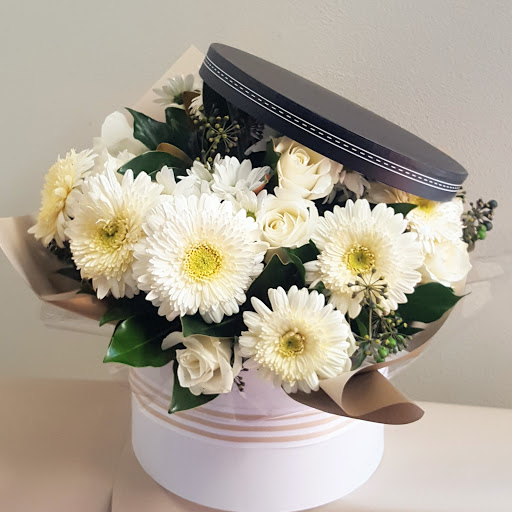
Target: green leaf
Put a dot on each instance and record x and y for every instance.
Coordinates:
(428, 303)
(149, 131)
(152, 162)
(127, 308)
(305, 253)
(71, 272)
(180, 127)
(137, 341)
(183, 399)
(276, 273)
(403, 208)
(194, 324)
(271, 156)
(358, 358)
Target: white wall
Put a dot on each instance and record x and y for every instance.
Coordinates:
(442, 69)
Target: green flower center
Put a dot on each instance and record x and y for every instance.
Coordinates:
(112, 234)
(359, 259)
(202, 262)
(178, 99)
(291, 344)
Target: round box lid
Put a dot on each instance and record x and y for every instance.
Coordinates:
(331, 124)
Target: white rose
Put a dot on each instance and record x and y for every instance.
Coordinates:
(286, 219)
(204, 365)
(116, 144)
(304, 171)
(447, 264)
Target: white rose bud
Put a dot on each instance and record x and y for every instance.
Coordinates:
(447, 264)
(287, 220)
(305, 172)
(204, 365)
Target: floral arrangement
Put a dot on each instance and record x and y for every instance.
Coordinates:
(221, 245)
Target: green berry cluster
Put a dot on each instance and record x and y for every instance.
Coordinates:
(477, 221)
(218, 135)
(385, 336)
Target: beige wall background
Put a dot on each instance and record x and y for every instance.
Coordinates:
(441, 69)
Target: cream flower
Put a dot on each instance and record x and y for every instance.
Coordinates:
(58, 196)
(357, 245)
(431, 220)
(447, 264)
(298, 341)
(204, 365)
(117, 145)
(305, 172)
(171, 93)
(198, 256)
(230, 176)
(250, 202)
(107, 225)
(286, 219)
(186, 186)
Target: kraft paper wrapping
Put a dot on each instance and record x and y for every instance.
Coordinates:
(361, 394)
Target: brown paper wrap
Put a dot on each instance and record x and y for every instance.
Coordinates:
(363, 394)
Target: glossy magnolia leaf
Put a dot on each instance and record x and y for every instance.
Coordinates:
(305, 253)
(127, 308)
(137, 341)
(152, 162)
(358, 358)
(428, 303)
(271, 156)
(149, 131)
(275, 274)
(403, 208)
(183, 399)
(194, 324)
(180, 127)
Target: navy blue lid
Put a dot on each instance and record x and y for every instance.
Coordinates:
(331, 125)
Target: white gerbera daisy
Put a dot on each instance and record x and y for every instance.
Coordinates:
(198, 256)
(357, 245)
(298, 341)
(230, 176)
(433, 221)
(62, 182)
(171, 93)
(107, 225)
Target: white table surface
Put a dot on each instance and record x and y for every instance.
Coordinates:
(64, 447)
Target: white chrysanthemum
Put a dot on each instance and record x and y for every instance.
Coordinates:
(230, 176)
(198, 256)
(186, 186)
(195, 106)
(171, 93)
(62, 182)
(298, 341)
(358, 244)
(107, 225)
(433, 221)
(250, 202)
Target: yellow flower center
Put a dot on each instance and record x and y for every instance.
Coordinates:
(291, 344)
(202, 262)
(112, 234)
(359, 259)
(425, 205)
